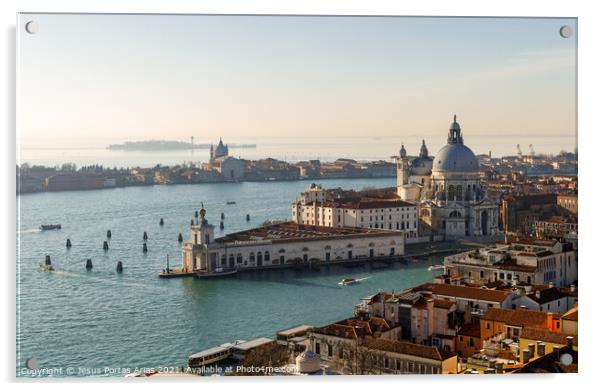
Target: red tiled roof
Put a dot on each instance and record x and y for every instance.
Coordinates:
(443, 303)
(518, 317)
(571, 314)
(408, 348)
(470, 330)
(458, 291)
(544, 335)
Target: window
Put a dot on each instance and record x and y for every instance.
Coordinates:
(317, 348)
(329, 351)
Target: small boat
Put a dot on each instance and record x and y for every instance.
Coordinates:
(219, 272)
(348, 281)
(231, 203)
(436, 267)
(48, 227)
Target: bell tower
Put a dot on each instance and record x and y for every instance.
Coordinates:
(403, 170)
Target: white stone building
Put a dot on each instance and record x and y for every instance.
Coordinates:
(313, 208)
(285, 244)
(529, 261)
(452, 200)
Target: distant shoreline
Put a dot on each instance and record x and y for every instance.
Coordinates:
(166, 145)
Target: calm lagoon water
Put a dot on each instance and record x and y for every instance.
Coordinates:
(100, 318)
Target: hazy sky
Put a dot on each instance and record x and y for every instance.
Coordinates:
(169, 77)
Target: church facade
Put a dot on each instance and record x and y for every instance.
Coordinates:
(451, 200)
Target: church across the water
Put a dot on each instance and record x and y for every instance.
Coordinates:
(447, 190)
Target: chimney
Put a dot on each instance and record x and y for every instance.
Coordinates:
(538, 294)
(525, 357)
(531, 350)
(541, 348)
(550, 320)
(569, 342)
(556, 350)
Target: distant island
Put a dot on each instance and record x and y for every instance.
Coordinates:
(163, 145)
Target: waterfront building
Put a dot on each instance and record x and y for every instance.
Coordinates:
(285, 244)
(230, 168)
(452, 200)
(315, 206)
(528, 261)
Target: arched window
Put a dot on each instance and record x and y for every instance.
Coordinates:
(239, 258)
(231, 258)
(282, 251)
(252, 257)
(350, 245)
(459, 192)
(450, 193)
(455, 214)
(266, 256)
(259, 257)
(224, 259)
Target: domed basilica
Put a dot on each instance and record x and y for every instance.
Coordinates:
(447, 190)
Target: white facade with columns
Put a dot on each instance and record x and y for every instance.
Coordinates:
(451, 199)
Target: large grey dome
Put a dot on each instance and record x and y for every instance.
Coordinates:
(457, 158)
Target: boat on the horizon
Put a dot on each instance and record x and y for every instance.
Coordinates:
(48, 227)
(348, 281)
(231, 203)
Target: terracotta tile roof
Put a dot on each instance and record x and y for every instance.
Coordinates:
(443, 303)
(337, 330)
(518, 317)
(408, 348)
(355, 327)
(458, 291)
(571, 314)
(470, 330)
(538, 334)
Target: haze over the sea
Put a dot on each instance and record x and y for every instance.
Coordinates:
(127, 77)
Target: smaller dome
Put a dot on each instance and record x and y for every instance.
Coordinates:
(421, 166)
(221, 150)
(308, 362)
(402, 151)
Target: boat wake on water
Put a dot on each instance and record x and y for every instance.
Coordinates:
(351, 281)
(29, 231)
